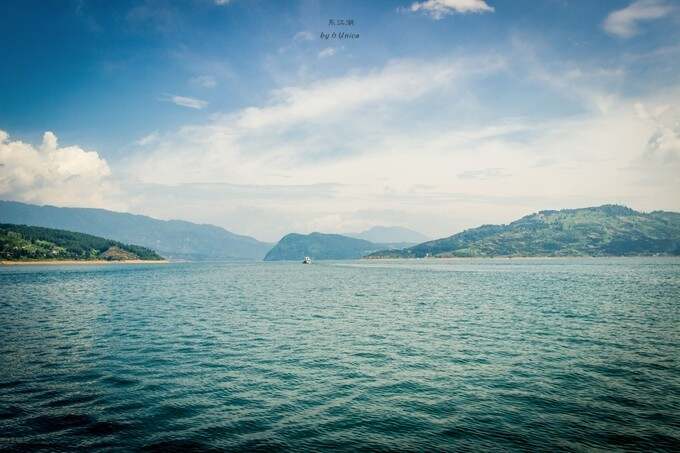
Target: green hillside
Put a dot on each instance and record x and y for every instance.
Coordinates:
(21, 242)
(608, 230)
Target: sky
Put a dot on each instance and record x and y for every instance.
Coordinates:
(271, 117)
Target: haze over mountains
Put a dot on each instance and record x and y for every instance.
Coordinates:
(390, 235)
(175, 239)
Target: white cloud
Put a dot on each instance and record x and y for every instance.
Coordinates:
(327, 52)
(624, 22)
(438, 9)
(185, 101)
(303, 36)
(204, 81)
(51, 174)
(148, 139)
(222, 2)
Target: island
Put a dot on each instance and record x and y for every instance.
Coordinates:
(319, 246)
(22, 244)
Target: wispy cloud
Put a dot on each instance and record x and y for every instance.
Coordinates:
(148, 139)
(327, 52)
(303, 36)
(624, 22)
(185, 101)
(664, 144)
(438, 9)
(486, 173)
(222, 2)
(204, 81)
(398, 81)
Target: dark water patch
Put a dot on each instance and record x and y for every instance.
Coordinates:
(491, 437)
(261, 445)
(36, 446)
(371, 355)
(51, 423)
(10, 385)
(119, 381)
(178, 446)
(104, 428)
(11, 412)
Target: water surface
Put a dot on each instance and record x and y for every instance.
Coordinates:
(495, 354)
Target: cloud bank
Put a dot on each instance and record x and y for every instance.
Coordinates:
(391, 145)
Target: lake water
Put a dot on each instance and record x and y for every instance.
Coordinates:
(495, 354)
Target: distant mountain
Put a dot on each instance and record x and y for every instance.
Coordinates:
(25, 243)
(390, 235)
(171, 238)
(608, 230)
(320, 246)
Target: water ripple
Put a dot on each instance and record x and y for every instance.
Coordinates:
(429, 355)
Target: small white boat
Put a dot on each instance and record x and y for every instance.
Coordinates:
(307, 260)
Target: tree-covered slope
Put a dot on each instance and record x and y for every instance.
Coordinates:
(320, 246)
(171, 238)
(608, 230)
(21, 242)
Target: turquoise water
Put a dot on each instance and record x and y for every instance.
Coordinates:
(495, 354)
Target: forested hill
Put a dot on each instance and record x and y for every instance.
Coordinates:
(21, 242)
(608, 230)
(320, 246)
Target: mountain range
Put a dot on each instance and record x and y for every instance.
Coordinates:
(175, 239)
(608, 230)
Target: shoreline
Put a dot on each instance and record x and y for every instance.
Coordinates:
(547, 257)
(77, 262)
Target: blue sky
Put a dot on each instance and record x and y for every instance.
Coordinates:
(441, 115)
